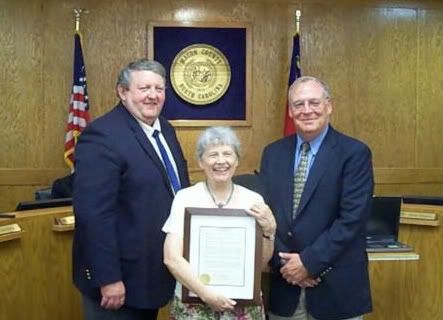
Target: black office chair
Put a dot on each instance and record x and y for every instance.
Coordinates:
(251, 181)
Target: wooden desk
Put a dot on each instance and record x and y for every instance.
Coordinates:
(35, 269)
(393, 256)
(411, 290)
(36, 280)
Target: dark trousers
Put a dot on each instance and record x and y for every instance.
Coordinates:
(93, 311)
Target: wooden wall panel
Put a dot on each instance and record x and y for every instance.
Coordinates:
(11, 195)
(373, 90)
(429, 130)
(21, 109)
(57, 78)
(20, 184)
(382, 59)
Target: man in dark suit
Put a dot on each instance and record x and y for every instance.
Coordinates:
(320, 266)
(123, 190)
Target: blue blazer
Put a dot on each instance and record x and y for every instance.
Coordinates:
(329, 230)
(122, 197)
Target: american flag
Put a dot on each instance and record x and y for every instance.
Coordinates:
(294, 73)
(78, 117)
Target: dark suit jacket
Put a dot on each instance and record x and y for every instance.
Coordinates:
(122, 197)
(329, 231)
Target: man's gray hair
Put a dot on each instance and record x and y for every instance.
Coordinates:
(124, 77)
(298, 81)
(218, 136)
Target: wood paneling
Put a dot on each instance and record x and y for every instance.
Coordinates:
(356, 50)
(29, 176)
(410, 290)
(429, 129)
(408, 176)
(36, 272)
(20, 184)
(382, 59)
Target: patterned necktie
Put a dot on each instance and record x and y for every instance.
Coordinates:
(173, 179)
(300, 178)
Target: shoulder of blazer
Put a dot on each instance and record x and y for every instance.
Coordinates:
(166, 126)
(286, 143)
(342, 140)
(118, 114)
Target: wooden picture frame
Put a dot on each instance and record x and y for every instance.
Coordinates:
(233, 39)
(209, 236)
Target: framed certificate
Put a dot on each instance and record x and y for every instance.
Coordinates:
(224, 249)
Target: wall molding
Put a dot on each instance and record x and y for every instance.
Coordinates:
(45, 176)
(381, 175)
(408, 175)
(30, 176)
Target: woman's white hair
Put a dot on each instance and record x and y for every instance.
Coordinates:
(218, 136)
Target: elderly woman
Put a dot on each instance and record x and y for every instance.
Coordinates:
(218, 156)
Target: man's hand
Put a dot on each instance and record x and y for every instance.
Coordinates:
(309, 282)
(294, 272)
(113, 295)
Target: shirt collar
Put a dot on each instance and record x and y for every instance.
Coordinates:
(150, 129)
(314, 144)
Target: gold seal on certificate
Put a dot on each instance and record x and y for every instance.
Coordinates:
(200, 74)
(205, 278)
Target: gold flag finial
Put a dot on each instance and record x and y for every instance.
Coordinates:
(77, 15)
(297, 20)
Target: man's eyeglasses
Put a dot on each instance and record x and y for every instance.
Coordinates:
(313, 104)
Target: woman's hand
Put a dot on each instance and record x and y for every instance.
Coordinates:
(181, 269)
(217, 302)
(265, 218)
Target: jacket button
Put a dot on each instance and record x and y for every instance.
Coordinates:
(289, 234)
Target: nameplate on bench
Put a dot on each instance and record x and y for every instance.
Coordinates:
(64, 224)
(9, 228)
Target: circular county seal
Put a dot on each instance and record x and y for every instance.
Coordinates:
(200, 74)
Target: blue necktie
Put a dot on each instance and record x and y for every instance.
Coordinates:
(173, 179)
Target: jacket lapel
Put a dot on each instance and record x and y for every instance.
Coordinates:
(147, 147)
(287, 166)
(318, 167)
(174, 146)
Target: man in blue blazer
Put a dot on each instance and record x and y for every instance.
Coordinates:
(122, 197)
(320, 266)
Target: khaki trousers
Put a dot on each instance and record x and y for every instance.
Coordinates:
(301, 313)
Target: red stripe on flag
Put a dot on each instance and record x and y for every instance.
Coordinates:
(289, 124)
(78, 97)
(294, 73)
(77, 118)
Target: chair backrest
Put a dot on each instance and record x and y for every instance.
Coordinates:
(43, 194)
(251, 181)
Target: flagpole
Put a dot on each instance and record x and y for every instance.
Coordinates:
(297, 20)
(78, 116)
(294, 72)
(77, 16)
